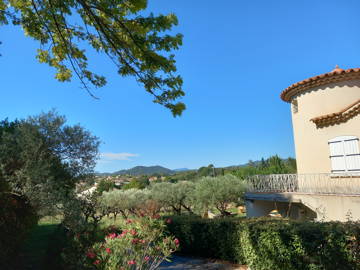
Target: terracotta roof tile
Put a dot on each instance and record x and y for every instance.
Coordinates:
(338, 117)
(336, 75)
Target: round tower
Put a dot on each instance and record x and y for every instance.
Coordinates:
(326, 121)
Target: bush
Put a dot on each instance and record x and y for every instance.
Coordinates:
(105, 185)
(17, 217)
(142, 244)
(267, 244)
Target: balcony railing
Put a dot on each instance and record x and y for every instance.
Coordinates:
(306, 183)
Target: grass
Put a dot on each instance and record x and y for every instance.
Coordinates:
(35, 247)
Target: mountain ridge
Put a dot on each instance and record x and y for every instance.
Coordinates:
(142, 170)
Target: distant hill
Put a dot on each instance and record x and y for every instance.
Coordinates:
(181, 170)
(143, 170)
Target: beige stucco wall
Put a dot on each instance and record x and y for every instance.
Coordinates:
(311, 143)
(321, 207)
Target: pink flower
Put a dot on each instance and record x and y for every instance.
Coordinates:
(91, 255)
(97, 262)
(131, 262)
(147, 258)
(129, 221)
(169, 221)
(176, 241)
(108, 250)
(133, 232)
(111, 235)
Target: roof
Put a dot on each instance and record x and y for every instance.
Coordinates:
(336, 75)
(338, 117)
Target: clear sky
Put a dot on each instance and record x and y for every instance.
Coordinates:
(236, 59)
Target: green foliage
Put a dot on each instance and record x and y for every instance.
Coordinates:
(272, 165)
(125, 202)
(182, 176)
(42, 158)
(135, 43)
(17, 217)
(218, 192)
(105, 185)
(142, 244)
(266, 244)
(137, 183)
(175, 196)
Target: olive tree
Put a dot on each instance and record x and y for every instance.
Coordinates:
(174, 195)
(125, 202)
(218, 192)
(42, 159)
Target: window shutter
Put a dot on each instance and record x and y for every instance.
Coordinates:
(345, 154)
(352, 155)
(337, 156)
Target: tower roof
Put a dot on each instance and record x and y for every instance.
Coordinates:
(336, 75)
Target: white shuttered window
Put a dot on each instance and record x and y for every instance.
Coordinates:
(345, 154)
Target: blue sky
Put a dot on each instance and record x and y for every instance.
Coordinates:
(236, 59)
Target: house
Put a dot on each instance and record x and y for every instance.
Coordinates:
(326, 124)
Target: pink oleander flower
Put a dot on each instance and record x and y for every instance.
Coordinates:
(108, 250)
(97, 262)
(131, 262)
(147, 258)
(91, 255)
(135, 241)
(133, 232)
(176, 241)
(169, 221)
(111, 236)
(129, 221)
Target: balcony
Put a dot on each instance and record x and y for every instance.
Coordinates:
(339, 184)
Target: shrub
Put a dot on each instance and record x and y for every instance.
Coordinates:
(17, 217)
(105, 185)
(142, 244)
(267, 244)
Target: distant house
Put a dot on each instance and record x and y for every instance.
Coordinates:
(87, 192)
(326, 123)
(153, 178)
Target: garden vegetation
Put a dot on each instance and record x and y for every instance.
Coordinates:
(271, 244)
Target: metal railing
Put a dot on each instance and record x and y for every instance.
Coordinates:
(306, 183)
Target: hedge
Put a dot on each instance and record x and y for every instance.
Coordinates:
(17, 217)
(268, 244)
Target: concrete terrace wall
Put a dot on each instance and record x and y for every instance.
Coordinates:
(320, 207)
